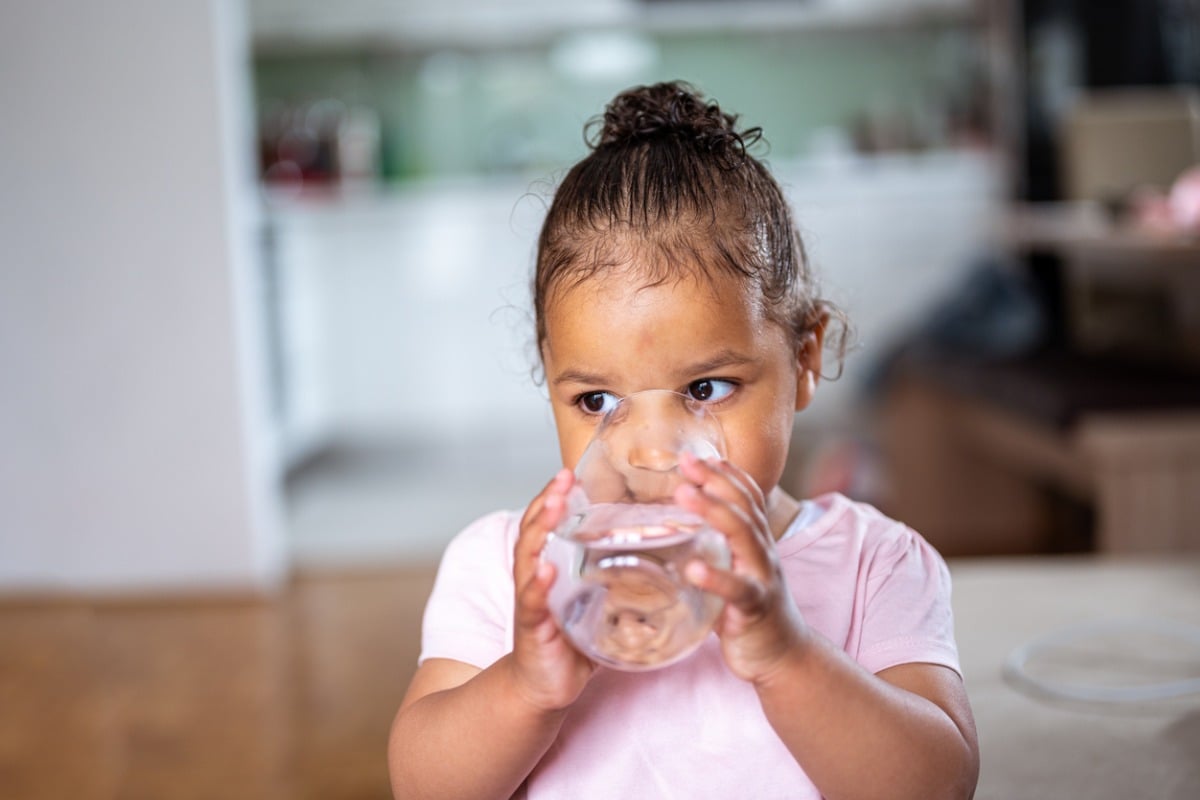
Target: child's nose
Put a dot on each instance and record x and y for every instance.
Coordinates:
(652, 456)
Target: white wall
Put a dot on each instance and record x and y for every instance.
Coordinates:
(133, 452)
(407, 314)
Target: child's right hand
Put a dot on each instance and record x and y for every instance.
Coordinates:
(549, 672)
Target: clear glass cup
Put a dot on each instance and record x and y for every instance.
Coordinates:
(620, 595)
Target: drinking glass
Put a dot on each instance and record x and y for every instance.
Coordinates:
(620, 595)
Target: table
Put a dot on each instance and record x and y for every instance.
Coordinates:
(1038, 748)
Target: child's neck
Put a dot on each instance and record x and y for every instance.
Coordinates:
(782, 508)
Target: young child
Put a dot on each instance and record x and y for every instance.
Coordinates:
(669, 260)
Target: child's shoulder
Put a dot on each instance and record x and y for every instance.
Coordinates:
(836, 521)
(834, 512)
(489, 539)
(495, 523)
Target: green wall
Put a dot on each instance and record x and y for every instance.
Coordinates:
(459, 112)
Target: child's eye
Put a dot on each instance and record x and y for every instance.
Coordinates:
(596, 402)
(710, 390)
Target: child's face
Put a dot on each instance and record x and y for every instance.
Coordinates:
(611, 336)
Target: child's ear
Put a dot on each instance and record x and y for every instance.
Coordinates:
(808, 363)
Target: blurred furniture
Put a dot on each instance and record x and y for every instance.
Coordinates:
(1092, 445)
(1044, 455)
(1127, 290)
(1117, 140)
(1038, 748)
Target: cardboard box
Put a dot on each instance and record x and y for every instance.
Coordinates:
(1116, 140)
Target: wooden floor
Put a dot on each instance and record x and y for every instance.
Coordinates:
(286, 697)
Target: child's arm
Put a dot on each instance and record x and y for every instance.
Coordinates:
(904, 733)
(463, 732)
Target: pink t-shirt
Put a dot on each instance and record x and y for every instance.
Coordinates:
(693, 730)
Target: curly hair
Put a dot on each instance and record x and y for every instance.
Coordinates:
(671, 188)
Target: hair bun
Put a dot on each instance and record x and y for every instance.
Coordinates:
(673, 109)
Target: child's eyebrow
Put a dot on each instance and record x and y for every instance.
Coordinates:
(720, 360)
(725, 358)
(575, 376)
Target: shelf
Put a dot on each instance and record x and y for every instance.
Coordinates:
(288, 24)
(1085, 229)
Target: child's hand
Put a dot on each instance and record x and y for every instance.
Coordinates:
(760, 626)
(549, 672)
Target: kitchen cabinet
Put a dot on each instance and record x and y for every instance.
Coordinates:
(405, 312)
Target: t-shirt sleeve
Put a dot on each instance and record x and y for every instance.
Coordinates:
(908, 617)
(468, 617)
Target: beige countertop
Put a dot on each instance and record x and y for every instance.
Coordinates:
(1042, 747)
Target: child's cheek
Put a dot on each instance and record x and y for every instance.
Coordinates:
(763, 455)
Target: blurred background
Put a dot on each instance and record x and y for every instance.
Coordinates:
(265, 342)
(408, 161)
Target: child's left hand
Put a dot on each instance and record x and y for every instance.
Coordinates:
(760, 627)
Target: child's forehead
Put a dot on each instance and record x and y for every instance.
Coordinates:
(632, 335)
(617, 280)
(626, 297)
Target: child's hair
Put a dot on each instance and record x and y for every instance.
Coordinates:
(670, 186)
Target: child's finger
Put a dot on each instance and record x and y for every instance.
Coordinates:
(533, 597)
(747, 594)
(741, 530)
(735, 474)
(542, 515)
(556, 485)
(742, 479)
(724, 481)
